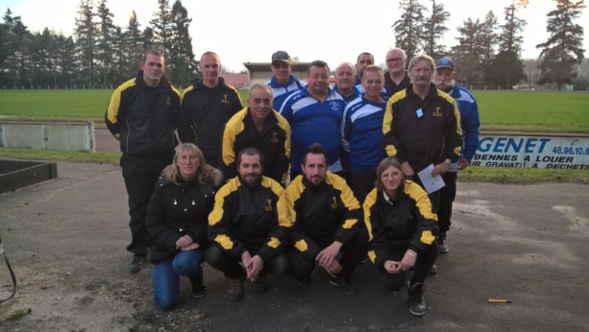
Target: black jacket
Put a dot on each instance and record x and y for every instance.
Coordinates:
(175, 211)
(142, 118)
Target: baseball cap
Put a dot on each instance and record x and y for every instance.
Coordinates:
(281, 56)
(445, 63)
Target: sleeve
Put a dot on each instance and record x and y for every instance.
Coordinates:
(377, 249)
(427, 226)
(471, 131)
(286, 109)
(283, 161)
(186, 130)
(346, 129)
(227, 163)
(278, 234)
(453, 132)
(353, 215)
(390, 132)
(176, 108)
(114, 113)
(155, 222)
(219, 225)
(301, 241)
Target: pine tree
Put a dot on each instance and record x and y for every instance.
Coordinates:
(487, 39)
(563, 50)
(181, 65)
(434, 30)
(408, 29)
(162, 25)
(105, 42)
(86, 32)
(135, 45)
(467, 54)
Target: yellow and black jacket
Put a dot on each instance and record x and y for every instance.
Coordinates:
(204, 112)
(142, 118)
(406, 222)
(247, 217)
(273, 142)
(321, 214)
(422, 132)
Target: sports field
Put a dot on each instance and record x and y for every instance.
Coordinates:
(549, 112)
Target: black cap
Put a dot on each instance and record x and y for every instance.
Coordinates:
(281, 56)
(445, 63)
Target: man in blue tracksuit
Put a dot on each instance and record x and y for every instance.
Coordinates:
(283, 83)
(444, 79)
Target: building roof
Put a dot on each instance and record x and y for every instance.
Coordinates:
(265, 66)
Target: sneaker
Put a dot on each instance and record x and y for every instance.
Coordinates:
(416, 303)
(136, 264)
(442, 246)
(198, 288)
(433, 270)
(345, 285)
(235, 292)
(260, 285)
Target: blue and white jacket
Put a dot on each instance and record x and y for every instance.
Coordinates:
(469, 121)
(283, 91)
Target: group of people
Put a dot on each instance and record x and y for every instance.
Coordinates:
(304, 175)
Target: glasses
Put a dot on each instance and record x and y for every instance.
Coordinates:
(394, 59)
(280, 65)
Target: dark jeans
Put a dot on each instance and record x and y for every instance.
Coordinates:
(362, 182)
(220, 260)
(447, 196)
(425, 261)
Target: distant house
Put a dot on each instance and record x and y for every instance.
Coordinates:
(259, 72)
(239, 81)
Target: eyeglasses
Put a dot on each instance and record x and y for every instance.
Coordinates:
(394, 59)
(280, 65)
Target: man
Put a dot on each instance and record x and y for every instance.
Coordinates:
(396, 77)
(327, 221)
(143, 114)
(206, 106)
(445, 80)
(364, 60)
(248, 225)
(344, 81)
(314, 115)
(260, 127)
(282, 82)
(421, 126)
(362, 132)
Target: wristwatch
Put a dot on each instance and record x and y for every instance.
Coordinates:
(448, 161)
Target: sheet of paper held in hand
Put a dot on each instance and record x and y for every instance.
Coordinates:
(430, 183)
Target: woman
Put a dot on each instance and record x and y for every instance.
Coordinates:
(177, 222)
(402, 231)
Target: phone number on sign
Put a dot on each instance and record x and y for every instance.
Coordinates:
(570, 151)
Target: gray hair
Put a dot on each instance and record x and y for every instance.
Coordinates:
(422, 57)
(262, 86)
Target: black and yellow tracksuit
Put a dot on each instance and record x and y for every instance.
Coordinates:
(143, 119)
(394, 226)
(422, 132)
(273, 142)
(321, 215)
(204, 112)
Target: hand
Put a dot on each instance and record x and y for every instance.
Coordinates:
(327, 255)
(334, 268)
(245, 258)
(391, 267)
(407, 170)
(440, 169)
(253, 268)
(189, 247)
(183, 242)
(463, 163)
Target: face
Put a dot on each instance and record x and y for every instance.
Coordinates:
(281, 71)
(210, 66)
(372, 83)
(391, 179)
(188, 164)
(344, 76)
(395, 62)
(153, 68)
(421, 74)
(315, 168)
(318, 80)
(444, 78)
(363, 61)
(259, 103)
(250, 169)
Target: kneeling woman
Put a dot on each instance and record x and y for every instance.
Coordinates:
(177, 222)
(402, 231)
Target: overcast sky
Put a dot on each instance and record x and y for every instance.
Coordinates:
(329, 30)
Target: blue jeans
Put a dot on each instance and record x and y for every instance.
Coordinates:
(166, 276)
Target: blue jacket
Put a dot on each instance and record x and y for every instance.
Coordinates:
(283, 91)
(469, 120)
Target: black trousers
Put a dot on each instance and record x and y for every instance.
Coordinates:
(140, 174)
(433, 197)
(425, 261)
(220, 260)
(447, 196)
(352, 253)
(362, 182)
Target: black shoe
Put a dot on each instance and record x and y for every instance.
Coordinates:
(303, 282)
(260, 285)
(235, 292)
(442, 246)
(345, 285)
(416, 303)
(433, 270)
(198, 288)
(136, 264)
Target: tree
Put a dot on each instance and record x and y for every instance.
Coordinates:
(487, 39)
(162, 24)
(563, 50)
(134, 43)
(105, 41)
(408, 29)
(433, 31)
(86, 32)
(468, 53)
(181, 64)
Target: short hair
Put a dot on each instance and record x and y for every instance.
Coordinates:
(315, 148)
(250, 151)
(210, 53)
(261, 86)
(351, 65)
(383, 166)
(155, 52)
(365, 53)
(403, 54)
(422, 57)
(317, 63)
(373, 68)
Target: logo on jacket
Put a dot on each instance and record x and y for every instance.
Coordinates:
(268, 207)
(168, 101)
(333, 202)
(437, 112)
(225, 100)
(274, 138)
(334, 106)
